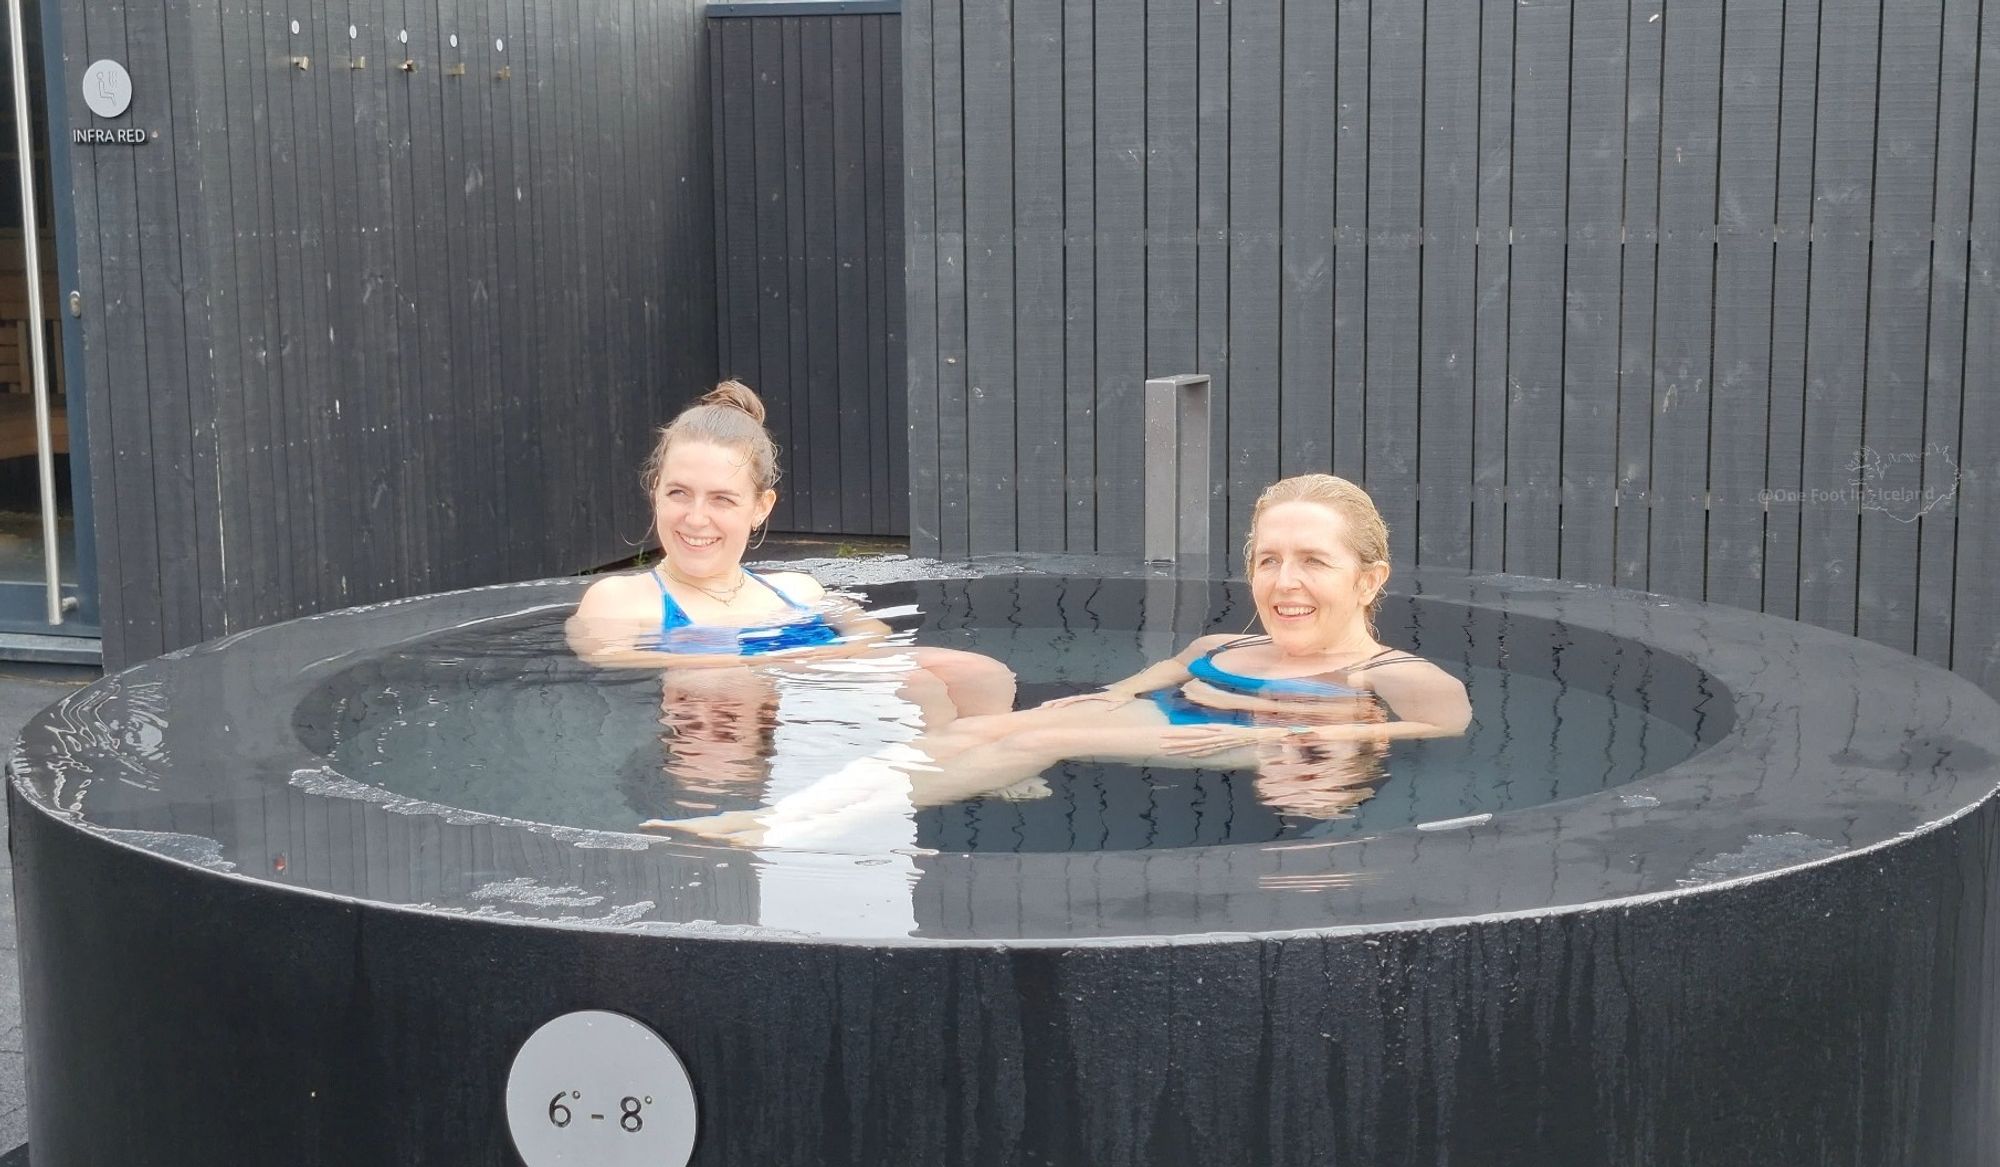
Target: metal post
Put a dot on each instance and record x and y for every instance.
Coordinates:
(1180, 523)
(38, 364)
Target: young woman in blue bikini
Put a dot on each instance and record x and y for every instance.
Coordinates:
(712, 480)
(767, 682)
(1301, 702)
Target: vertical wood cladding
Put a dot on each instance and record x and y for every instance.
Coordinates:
(359, 330)
(1699, 299)
(808, 131)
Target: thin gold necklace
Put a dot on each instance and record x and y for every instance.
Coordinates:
(719, 595)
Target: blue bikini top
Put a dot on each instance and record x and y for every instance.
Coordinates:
(678, 633)
(1317, 688)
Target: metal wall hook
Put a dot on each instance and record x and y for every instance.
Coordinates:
(302, 63)
(408, 66)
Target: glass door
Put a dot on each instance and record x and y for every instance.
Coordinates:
(47, 584)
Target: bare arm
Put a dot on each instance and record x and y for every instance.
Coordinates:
(1159, 675)
(1172, 671)
(1425, 700)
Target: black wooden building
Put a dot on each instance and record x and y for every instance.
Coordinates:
(390, 298)
(1691, 297)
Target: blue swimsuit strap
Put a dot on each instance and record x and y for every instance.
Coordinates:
(672, 615)
(1387, 656)
(1205, 668)
(776, 590)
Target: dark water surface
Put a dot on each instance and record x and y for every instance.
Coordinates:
(499, 718)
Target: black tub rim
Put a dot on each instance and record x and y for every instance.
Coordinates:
(1962, 710)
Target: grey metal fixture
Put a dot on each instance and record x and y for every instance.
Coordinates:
(1181, 523)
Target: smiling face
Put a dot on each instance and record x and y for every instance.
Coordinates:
(705, 506)
(1312, 590)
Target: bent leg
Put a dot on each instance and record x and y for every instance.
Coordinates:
(977, 685)
(933, 699)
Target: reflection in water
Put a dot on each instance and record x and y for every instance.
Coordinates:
(1320, 780)
(843, 717)
(500, 719)
(753, 737)
(720, 730)
(120, 723)
(1320, 776)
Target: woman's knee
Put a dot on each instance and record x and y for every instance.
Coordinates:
(954, 665)
(977, 684)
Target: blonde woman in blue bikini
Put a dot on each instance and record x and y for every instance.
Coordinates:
(1318, 558)
(1314, 687)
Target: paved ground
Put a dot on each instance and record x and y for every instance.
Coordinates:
(24, 690)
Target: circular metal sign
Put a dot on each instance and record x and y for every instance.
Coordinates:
(107, 88)
(599, 1089)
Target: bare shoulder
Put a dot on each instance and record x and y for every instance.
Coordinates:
(1204, 644)
(1412, 672)
(1417, 690)
(800, 587)
(613, 596)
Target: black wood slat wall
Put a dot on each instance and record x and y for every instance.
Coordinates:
(807, 118)
(1698, 298)
(360, 332)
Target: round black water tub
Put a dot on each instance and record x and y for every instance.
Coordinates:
(1700, 886)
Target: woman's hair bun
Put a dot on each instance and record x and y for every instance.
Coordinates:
(729, 415)
(736, 395)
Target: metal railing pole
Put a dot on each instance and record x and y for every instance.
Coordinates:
(38, 361)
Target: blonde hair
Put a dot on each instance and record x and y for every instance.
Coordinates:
(729, 415)
(1367, 534)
